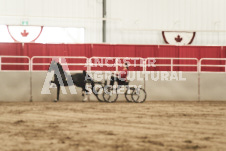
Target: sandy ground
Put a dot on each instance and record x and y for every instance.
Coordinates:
(168, 126)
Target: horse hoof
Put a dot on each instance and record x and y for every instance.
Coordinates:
(55, 100)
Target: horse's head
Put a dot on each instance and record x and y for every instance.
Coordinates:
(55, 66)
(52, 66)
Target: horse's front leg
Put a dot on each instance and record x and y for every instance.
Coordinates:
(58, 94)
(52, 84)
(85, 92)
(84, 96)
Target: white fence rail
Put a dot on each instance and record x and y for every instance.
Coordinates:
(13, 63)
(116, 62)
(144, 63)
(60, 59)
(154, 62)
(215, 65)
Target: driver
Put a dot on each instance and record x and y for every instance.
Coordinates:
(121, 77)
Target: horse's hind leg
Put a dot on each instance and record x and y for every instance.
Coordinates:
(58, 93)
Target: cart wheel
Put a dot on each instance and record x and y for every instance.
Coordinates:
(128, 94)
(139, 95)
(99, 94)
(110, 94)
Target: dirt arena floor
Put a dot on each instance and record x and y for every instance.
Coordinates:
(88, 126)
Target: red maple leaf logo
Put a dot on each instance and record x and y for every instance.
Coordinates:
(25, 33)
(178, 38)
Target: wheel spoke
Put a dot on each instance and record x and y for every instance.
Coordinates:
(139, 95)
(99, 94)
(128, 95)
(110, 95)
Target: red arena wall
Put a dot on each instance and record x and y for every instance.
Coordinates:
(108, 50)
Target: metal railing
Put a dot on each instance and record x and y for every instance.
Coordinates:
(144, 63)
(171, 64)
(215, 65)
(99, 62)
(117, 62)
(15, 64)
(58, 57)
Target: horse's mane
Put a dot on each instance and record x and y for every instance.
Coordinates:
(60, 66)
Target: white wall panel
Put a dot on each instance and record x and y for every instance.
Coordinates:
(58, 13)
(146, 15)
(129, 21)
(14, 8)
(15, 86)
